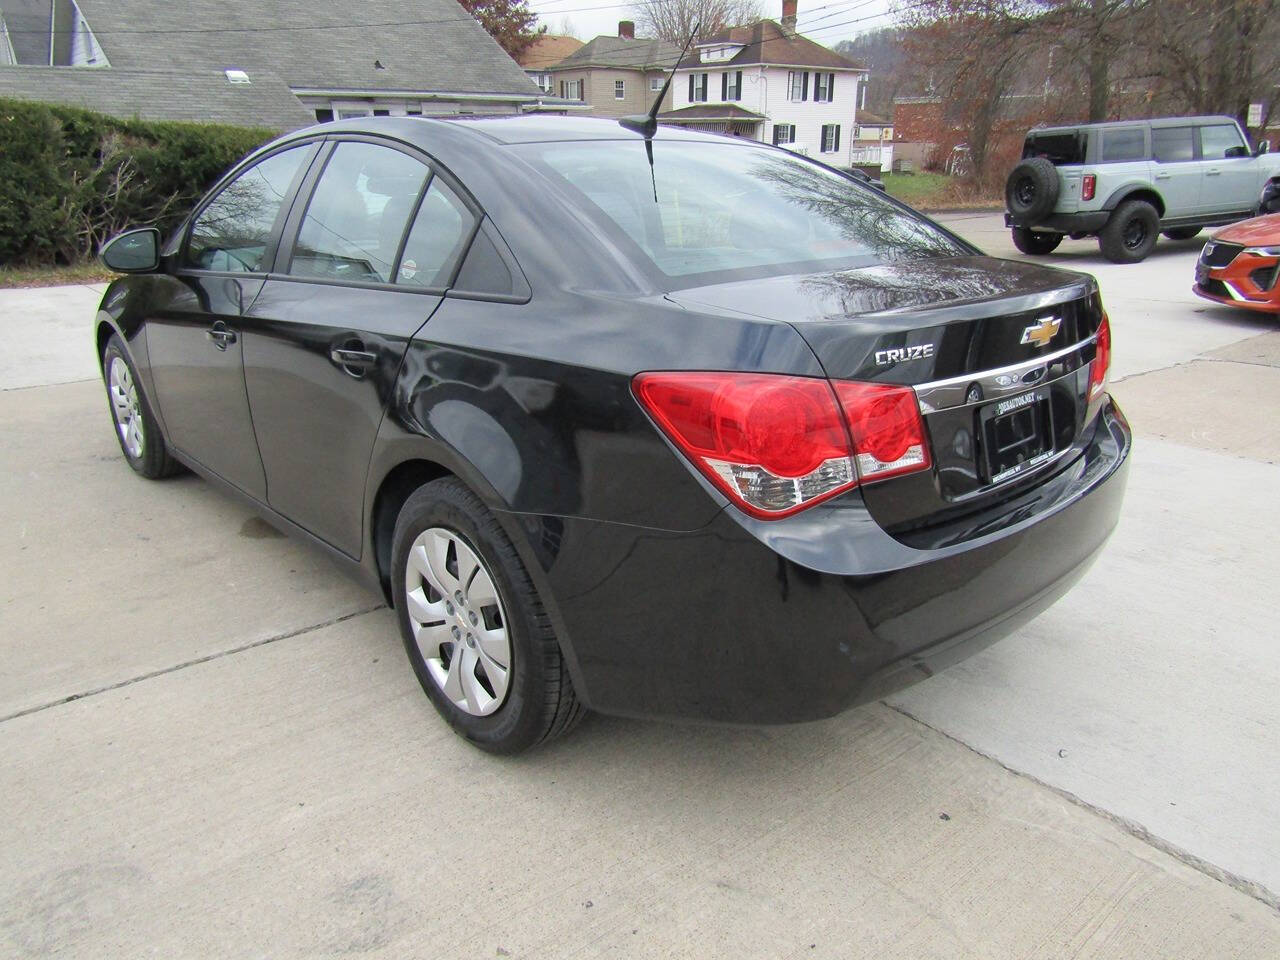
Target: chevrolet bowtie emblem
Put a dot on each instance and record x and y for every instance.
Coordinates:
(1042, 331)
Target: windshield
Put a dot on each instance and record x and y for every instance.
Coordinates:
(729, 207)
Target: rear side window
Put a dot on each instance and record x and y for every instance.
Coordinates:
(1125, 144)
(358, 214)
(232, 232)
(1058, 148)
(1215, 142)
(440, 230)
(1171, 144)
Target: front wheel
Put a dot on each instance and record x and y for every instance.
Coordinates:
(474, 628)
(1035, 243)
(137, 430)
(1130, 234)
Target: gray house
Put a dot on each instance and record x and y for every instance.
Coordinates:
(396, 57)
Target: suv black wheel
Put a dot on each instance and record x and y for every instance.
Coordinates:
(1035, 243)
(1131, 233)
(1031, 192)
(474, 627)
(1181, 233)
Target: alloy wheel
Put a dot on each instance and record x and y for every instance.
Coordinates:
(458, 621)
(124, 404)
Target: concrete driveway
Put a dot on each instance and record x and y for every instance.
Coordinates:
(211, 743)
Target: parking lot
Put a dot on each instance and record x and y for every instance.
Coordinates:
(211, 743)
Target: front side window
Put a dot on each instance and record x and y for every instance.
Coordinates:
(784, 133)
(1172, 144)
(1119, 146)
(1220, 142)
(830, 137)
(619, 90)
(232, 232)
(440, 230)
(733, 207)
(358, 214)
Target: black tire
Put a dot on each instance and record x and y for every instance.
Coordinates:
(1035, 243)
(153, 460)
(1182, 233)
(1031, 192)
(1131, 232)
(540, 703)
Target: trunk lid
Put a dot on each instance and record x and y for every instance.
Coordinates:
(997, 351)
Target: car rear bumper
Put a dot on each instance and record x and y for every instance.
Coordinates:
(1065, 222)
(799, 619)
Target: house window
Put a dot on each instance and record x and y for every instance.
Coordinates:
(619, 89)
(655, 83)
(784, 133)
(731, 86)
(324, 116)
(697, 88)
(544, 82)
(830, 137)
(798, 85)
(824, 85)
(571, 89)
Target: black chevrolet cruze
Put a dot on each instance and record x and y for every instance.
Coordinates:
(684, 426)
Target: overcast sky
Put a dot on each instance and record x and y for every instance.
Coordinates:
(825, 21)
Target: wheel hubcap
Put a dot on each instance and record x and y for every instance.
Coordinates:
(458, 621)
(124, 404)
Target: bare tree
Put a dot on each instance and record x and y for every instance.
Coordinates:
(673, 20)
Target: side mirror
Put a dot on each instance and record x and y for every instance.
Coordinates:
(1264, 146)
(1232, 152)
(134, 251)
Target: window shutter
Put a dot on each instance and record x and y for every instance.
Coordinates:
(737, 86)
(724, 86)
(836, 145)
(804, 85)
(691, 88)
(831, 87)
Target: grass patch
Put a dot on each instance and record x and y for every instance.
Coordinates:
(935, 191)
(88, 272)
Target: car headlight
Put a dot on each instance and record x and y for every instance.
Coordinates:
(1264, 251)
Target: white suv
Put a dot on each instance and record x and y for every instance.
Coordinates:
(1128, 181)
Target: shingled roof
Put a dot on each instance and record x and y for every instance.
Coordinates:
(548, 50)
(766, 42)
(28, 29)
(621, 53)
(161, 95)
(374, 45)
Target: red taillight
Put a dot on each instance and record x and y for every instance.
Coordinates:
(777, 444)
(886, 427)
(1089, 185)
(1101, 360)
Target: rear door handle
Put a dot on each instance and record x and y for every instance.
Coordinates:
(1163, 176)
(220, 335)
(1212, 173)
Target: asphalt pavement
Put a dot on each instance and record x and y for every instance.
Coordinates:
(211, 743)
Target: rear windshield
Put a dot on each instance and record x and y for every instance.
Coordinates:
(732, 207)
(1058, 148)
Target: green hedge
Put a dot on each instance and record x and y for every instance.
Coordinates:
(70, 178)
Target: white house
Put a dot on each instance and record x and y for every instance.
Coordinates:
(767, 82)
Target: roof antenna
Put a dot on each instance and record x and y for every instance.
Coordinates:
(647, 124)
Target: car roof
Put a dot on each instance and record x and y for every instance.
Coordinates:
(526, 128)
(1150, 121)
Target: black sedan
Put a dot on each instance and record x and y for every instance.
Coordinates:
(672, 426)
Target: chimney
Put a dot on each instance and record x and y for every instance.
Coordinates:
(627, 29)
(789, 15)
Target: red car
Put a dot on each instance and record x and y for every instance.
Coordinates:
(1240, 266)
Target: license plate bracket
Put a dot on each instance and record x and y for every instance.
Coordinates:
(1017, 434)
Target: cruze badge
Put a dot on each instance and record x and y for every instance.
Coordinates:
(901, 354)
(1042, 331)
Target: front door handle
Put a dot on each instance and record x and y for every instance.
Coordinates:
(353, 361)
(1213, 173)
(220, 335)
(1163, 176)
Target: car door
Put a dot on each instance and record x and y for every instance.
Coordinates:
(1230, 171)
(374, 248)
(194, 340)
(1174, 170)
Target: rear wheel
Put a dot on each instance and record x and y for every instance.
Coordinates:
(1035, 243)
(1130, 234)
(137, 430)
(1181, 233)
(474, 628)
